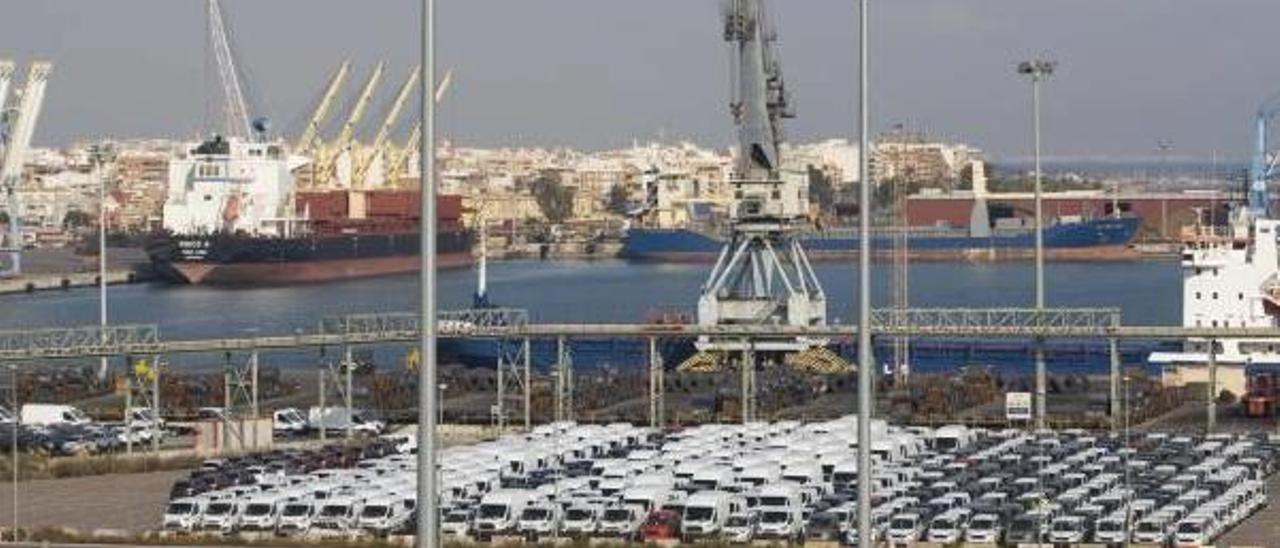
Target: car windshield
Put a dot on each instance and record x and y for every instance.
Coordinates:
(218, 509)
(697, 513)
(579, 514)
(1109, 526)
(257, 509)
(982, 523)
(1148, 527)
(493, 511)
(903, 523)
(775, 517)
(773, 501)
(182, 508)
(1066, 526)
(532, 514)
(617, 514)
(944, 523)
(333, 511)
(455, 517)
(1025, 524)
(1189, 527)
(296, 510)
(375, 511)
(823, 521)
(736, 521)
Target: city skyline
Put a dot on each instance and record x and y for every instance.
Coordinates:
(527, 79)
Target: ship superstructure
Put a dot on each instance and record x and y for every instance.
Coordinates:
(1231, 279)
(230, 186)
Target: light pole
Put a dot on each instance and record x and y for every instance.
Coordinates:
(1038, 70)
(428, 509)
(13, 444)
(866, 362)
(100, 155)
(1128, 507)
(443, 387)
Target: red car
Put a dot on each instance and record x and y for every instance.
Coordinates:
(661, 525)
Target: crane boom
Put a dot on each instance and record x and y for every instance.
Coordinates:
(384, 131)
(311, 134)
(402, 155)
(235, 109)
(6, 77)
(21, 130)
(362, 104)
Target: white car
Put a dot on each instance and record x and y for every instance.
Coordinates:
(984, 529)
(581, 521)
(780, 524)
(621, 522)
(1193, 532)
(1110, 531)
(905, 529)
(1067, 530)
(947, 528)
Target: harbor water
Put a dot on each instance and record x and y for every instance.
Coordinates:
(1147, 292)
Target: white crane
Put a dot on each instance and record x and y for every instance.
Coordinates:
(400, 158)
(384, 131)
(343, 144)
(7, 68)
(235, 110)
(21, 128)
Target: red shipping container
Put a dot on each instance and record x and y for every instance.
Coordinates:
(323, 205)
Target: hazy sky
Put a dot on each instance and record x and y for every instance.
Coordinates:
(599, 73)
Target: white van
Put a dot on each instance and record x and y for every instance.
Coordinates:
(500, 512)
(41, 414)
(289, 422)
(705, 513)
(295, 517)
(220, 516)
(336, 515)
(383, 515)
(261, 513)
(183, 514)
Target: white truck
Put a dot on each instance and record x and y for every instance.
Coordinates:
(42, 414)
(338, 419)
(288, 422)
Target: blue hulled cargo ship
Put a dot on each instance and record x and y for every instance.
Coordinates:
(1103, 238)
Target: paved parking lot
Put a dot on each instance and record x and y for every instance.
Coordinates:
(134, 502)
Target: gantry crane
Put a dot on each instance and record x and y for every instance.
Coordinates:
(20, 129)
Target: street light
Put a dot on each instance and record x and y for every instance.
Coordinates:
(443, 387)
(1128, 507)
(1038, 70)
(13, 444)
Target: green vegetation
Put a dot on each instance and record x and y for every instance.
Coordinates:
(77, 219)
(555, 200)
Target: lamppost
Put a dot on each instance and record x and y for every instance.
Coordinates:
(866, 361)
(1128, 507)
(442, 387)
(1038, 71)
(13, 444)
(100, 155)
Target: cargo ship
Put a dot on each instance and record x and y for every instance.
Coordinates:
(232, 216)
(1080, 239)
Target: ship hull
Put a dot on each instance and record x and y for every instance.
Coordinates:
(228, 260)
(1103, 239)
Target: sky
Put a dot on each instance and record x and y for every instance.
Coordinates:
(597, 74)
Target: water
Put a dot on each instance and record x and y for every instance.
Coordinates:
(1147, 292)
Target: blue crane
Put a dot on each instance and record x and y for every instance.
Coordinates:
(1261, 168)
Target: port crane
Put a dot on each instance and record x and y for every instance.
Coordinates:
(235, 108)
(310, 138)
(19, 127)
(1263, 164)
(342, 147)
(400, 157)
(762, 276)
(377, 150)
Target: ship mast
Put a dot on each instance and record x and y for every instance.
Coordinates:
(763, 276)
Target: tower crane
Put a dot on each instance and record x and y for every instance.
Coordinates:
(20, 130)
(343, 144)
(384, 131)
(1262, 167)
(310, 138)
